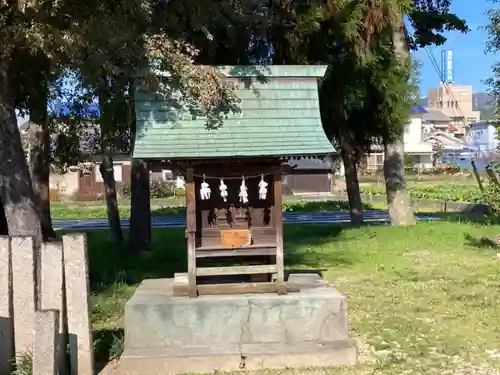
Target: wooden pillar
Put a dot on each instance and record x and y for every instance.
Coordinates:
(278, 224)
(191, 232)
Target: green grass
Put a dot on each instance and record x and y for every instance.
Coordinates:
(422, 300)
(415, 179)
(161, 208)
(451, 192)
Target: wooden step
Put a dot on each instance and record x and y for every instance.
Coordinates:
(248, 250)
(235, 270)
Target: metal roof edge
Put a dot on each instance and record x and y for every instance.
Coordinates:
(268, 71)
(273, 71)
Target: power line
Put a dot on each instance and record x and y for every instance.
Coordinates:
(452, 95)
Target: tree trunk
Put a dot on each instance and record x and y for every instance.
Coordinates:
(108, 177)
(40, 159)
(16, 190)
(140, 214)
(351, 181)
(4, 229)
(398, 198)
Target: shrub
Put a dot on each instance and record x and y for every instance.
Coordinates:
(23, 364)
(491, 193)
(125, 191)
(450, 168)
(158, 189)
(54, 195)
(180, 192)
(491, 197)
(161, 189)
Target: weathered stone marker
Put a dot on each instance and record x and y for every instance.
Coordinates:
(24, 293)
(52, 293)
(6, 324)
(46, 343)
(78, 303)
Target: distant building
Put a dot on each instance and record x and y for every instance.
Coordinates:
(446, 141)
(436, 120)
(419, 151)
(455, 102)
(483, 136)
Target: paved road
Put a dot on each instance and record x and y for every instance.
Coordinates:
(288, 218)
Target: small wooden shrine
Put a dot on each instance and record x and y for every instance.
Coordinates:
(234, 173)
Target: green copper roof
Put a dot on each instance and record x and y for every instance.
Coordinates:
(279, 116)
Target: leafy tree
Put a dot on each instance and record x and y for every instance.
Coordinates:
(429, 18)
(493, 46)
(101, 41)
(365, 96)
(376, 42)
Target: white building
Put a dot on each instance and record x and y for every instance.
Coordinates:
(419, 151)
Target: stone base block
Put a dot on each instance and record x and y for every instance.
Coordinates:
(180, 361)
(173, 335)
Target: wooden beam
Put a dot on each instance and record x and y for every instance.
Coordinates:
(249, 247)
(181, 290)
(191, 231)
(278, 224)
(234, 252)
(300, 172)
(234, 270)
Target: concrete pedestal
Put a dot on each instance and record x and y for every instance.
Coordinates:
(168, 335)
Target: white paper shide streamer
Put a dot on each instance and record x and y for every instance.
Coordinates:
(262, 188)
(205, 190)
(223, 190)
(243, 191)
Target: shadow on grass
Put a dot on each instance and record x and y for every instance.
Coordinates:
(483, 242)
(110, 264)
(463, 217)
(114, 273)
(302, 243)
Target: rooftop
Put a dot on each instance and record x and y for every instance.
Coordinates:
(278, 116)
(435, 115)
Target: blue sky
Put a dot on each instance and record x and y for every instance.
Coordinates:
(471, 65)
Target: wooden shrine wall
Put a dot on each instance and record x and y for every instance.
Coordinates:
(214, 215)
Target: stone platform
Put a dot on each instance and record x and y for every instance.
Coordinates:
(172, 335)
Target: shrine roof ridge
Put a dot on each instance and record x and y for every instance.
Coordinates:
(268, 71)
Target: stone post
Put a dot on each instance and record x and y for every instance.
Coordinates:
(46, 343)
(6, 315)
(24, 293)
(52, 294)
(78, 303)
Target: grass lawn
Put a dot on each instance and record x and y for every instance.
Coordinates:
(422, 300)
(165, 207)
(416, 179)
(454, 192)
(94, 211)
